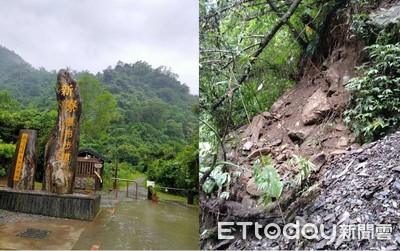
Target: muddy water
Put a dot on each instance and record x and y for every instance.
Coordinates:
(143, 225)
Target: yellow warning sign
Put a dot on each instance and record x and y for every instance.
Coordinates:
(20, 157)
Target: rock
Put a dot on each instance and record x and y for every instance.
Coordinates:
(333, 79)
(247, 201)
(258, 152)
(318, 160)
(276, 142)
(281, 158)
(369, 193)
(247, 174)
(345, 79)
(267, 115)
(338, 152)
(396, 184)
(384, 17)
(316, 108)
(357, 151)
(252, 188)
(254, 128)
(362, 158)
(247, 146)
(397, 237)
(332, 76)
(288, 114)
(222, 245)
(362, 165)
(342, 142)
(297, 137)
(340, 127)
(321, 244)
(329, 217)
(338, 242)
(384, 193)
(363, 174)
(343, 217)
(352, 139)
(396, 169)
(277, 105)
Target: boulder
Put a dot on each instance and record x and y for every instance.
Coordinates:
(316, 108)
(252, 188)
(281, 158)
(276, 142)
(342, 142)
(247, 201)
(297, 136)
(247, 146)
(319, 160)
(254, 128)
(333, 79)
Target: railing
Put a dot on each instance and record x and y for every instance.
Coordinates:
(127, 186)
(190, 196)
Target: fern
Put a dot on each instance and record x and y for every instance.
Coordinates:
(267, 179)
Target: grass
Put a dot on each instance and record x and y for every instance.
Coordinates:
(167, 196)
(130, 176)
(38, 186)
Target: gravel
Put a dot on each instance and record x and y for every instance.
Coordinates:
(359, 189)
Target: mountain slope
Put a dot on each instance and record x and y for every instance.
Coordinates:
(132, 113)
(8, 57)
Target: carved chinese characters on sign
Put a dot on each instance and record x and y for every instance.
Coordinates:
(68, 106)
(22, 170)
(20, 157)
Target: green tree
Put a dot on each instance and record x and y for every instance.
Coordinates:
(99, 108)
(6, 155)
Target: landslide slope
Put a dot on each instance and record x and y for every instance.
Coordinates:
(307, 121)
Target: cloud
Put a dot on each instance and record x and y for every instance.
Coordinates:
(94, 34)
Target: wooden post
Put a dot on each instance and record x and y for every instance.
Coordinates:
(116, 174)
(62, 148)
(149, 193)
(21, 176)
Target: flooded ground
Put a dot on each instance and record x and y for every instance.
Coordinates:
(143, 225)
(123, 223)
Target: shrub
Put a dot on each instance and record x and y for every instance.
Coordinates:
(374, 106)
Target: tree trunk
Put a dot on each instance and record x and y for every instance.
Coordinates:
(21, 176)
(62, 148)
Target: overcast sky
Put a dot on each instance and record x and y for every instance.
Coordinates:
(94, 34)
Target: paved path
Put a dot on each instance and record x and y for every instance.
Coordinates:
(123, 223)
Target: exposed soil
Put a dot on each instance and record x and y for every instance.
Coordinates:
(307, 121)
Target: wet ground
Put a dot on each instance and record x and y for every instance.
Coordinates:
(123, 223)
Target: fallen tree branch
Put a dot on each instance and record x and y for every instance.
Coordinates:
(267, 38)
(302, 43)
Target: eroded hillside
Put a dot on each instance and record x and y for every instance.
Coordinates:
(351, 185)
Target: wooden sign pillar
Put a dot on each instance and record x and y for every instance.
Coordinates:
(21, 176)
(62, 148)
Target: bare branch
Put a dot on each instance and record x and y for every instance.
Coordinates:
(267, 38)
(289, 24)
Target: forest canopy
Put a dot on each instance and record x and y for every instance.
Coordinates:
(134, 114)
